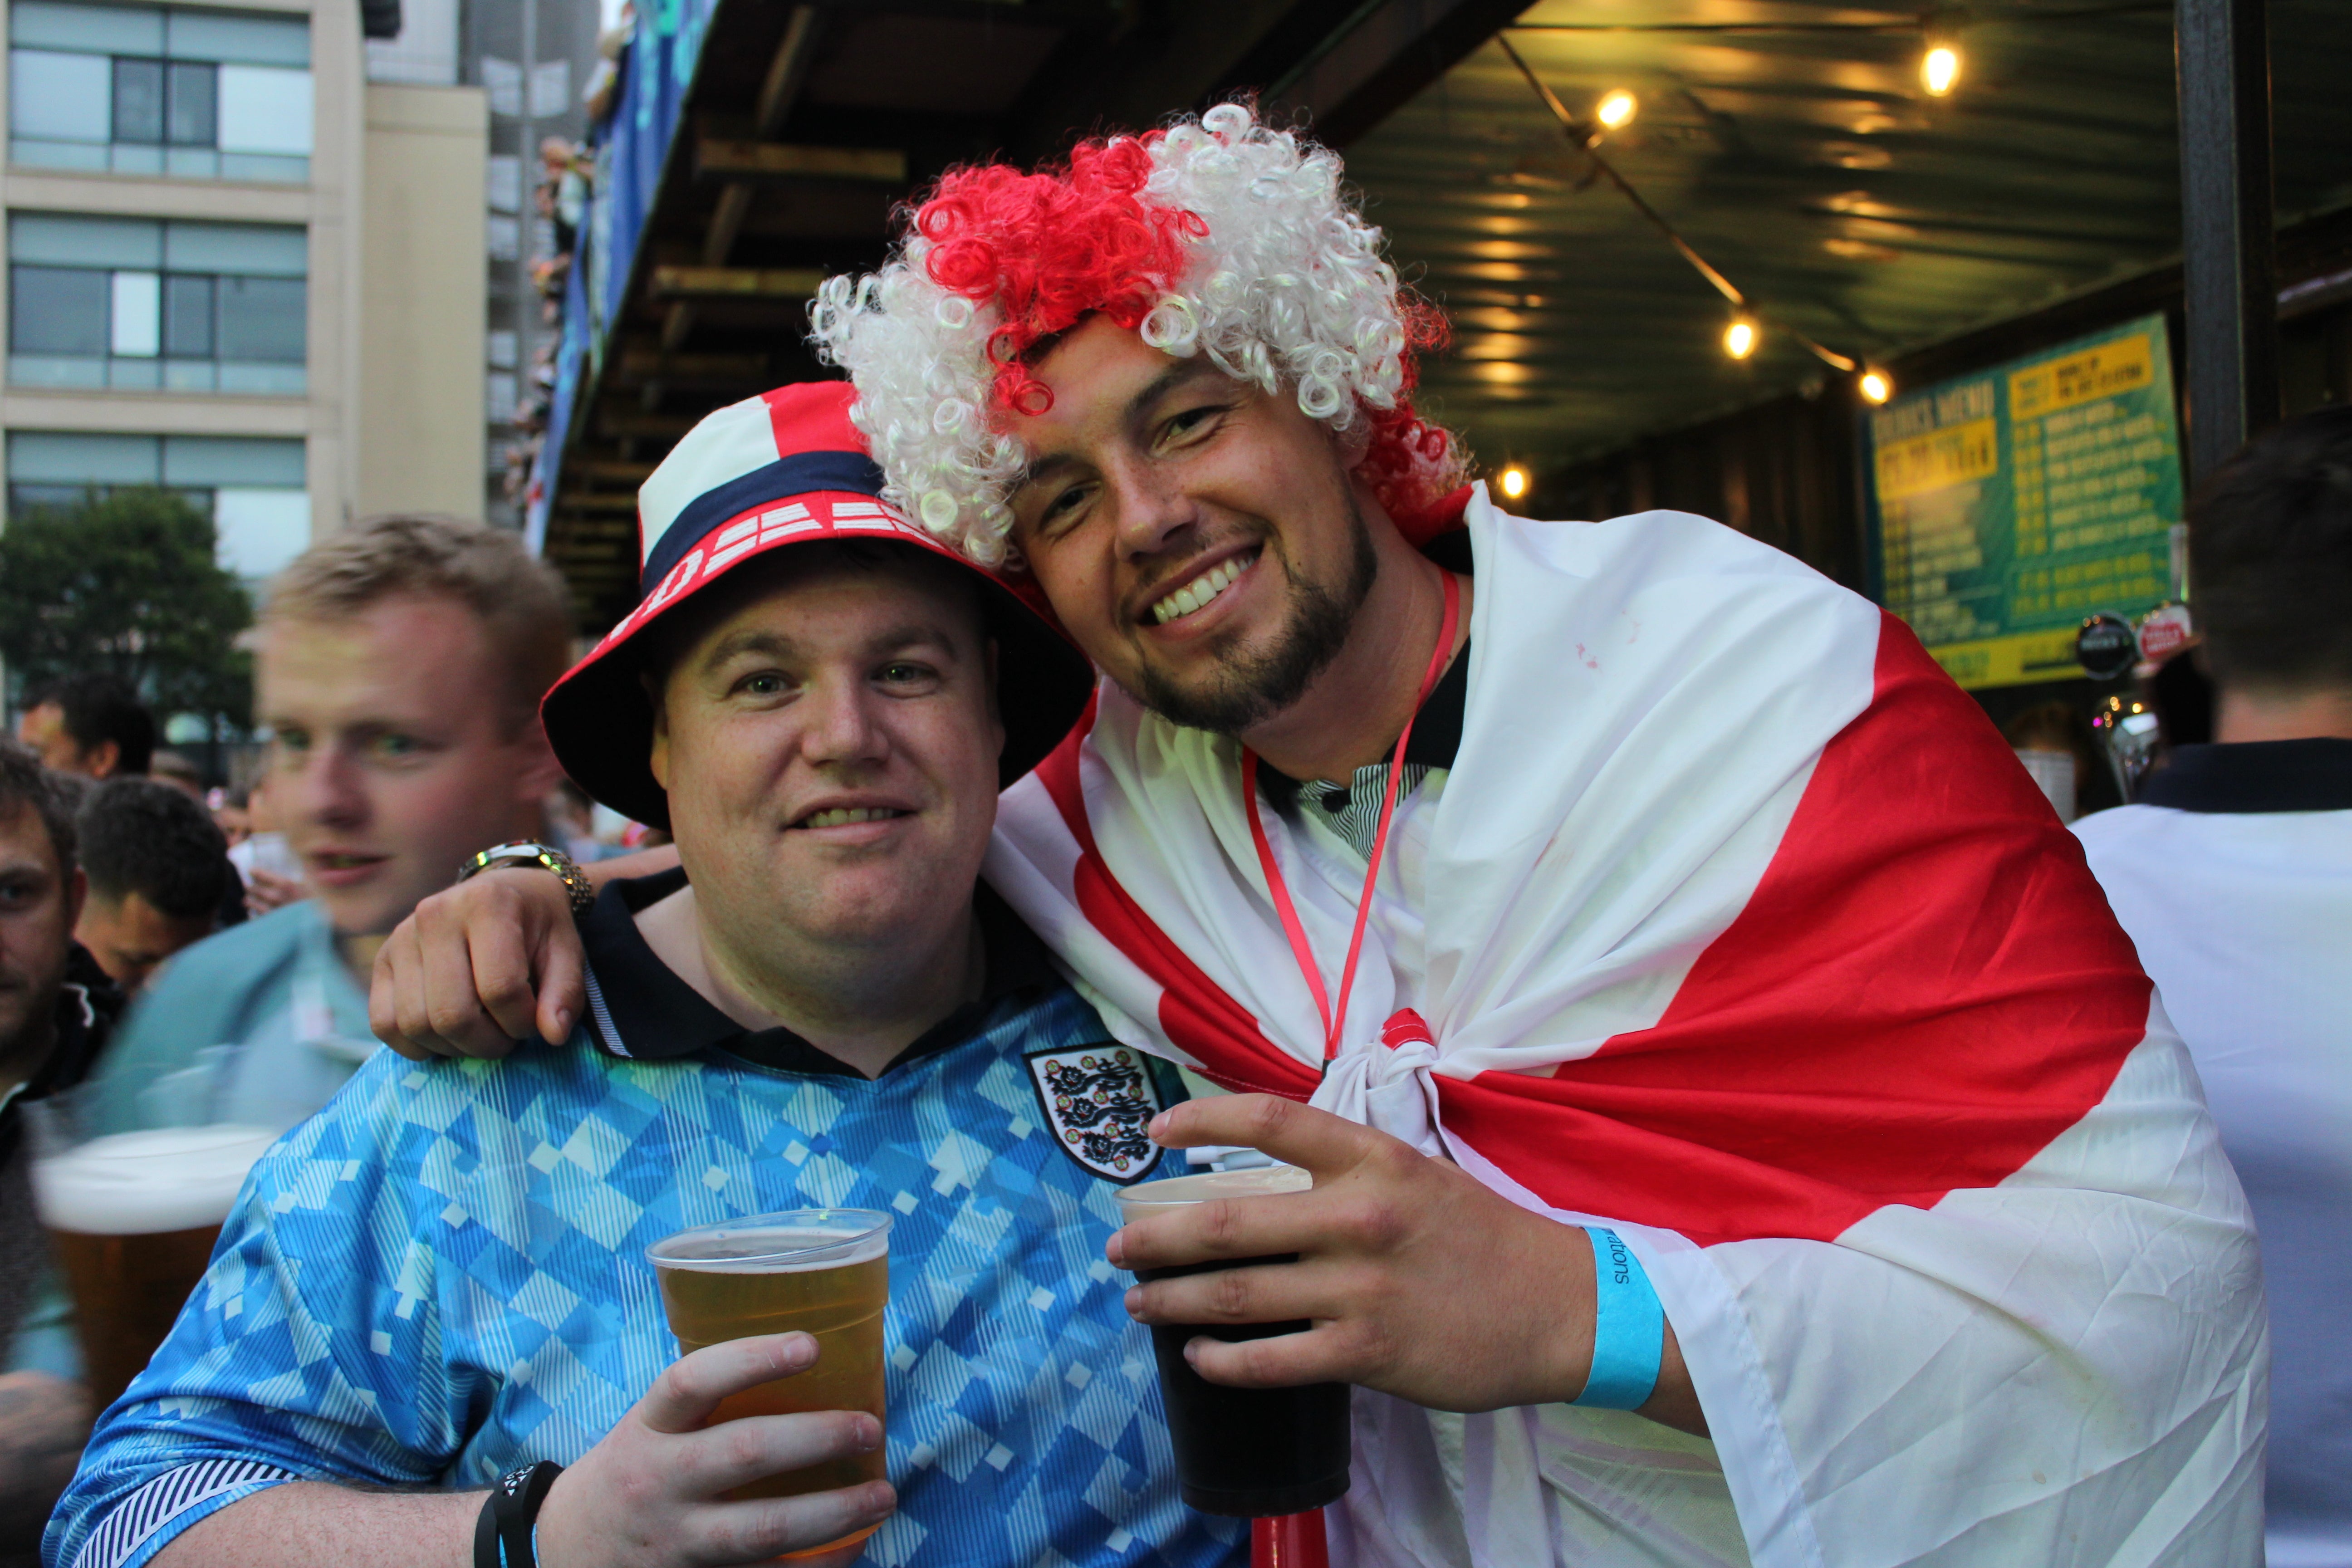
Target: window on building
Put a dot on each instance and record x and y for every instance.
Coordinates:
(252, 487)
(138, 304)
(151, 90)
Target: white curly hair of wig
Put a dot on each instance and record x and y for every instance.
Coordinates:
(1283, 284)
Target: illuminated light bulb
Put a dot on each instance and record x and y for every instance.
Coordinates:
(1875, 386)
(1740, 338)
(1940, 68)
(1616, 109)
(1514, 481)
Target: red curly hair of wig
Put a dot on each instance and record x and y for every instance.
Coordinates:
(1049, 248)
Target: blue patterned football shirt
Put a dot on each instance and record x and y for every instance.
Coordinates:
(442, 1276)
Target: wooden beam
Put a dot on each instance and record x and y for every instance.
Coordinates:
(834, 210)
(726, 222)
(785, 72)
(714, 158)
(627, 424)
(640, 363)
(772, 318)
(1385, 54)
(674, 282)
(677, 322)
(777, 92)
(596, 503)
(608, 470)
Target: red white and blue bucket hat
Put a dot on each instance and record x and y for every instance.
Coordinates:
(781, 469)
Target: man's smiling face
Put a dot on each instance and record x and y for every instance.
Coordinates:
(828, 739)
(1202, 541)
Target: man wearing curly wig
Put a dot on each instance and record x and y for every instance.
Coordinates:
(1740, 1133)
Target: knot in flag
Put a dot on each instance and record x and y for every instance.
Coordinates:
(1407, 1028)
(1389, 1088)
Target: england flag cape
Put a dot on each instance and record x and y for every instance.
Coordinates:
(1737, 927)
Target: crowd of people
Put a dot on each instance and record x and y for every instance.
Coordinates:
(1770, 1140)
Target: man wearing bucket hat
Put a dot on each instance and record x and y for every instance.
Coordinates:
(1724, 1082)
(440, 1280)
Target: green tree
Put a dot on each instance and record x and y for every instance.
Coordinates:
(127, 584)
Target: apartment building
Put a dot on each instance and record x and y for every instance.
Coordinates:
(239, 267)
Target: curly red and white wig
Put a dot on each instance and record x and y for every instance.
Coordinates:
(1217, 235)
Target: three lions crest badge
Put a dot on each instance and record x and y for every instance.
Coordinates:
(1098, 1099)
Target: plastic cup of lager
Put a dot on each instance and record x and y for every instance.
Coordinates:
(823, 1272)
(1254, 1453)
(133, 1217)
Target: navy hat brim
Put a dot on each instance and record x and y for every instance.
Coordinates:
(600, 721)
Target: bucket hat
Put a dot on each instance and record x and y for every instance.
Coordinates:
(784, 469)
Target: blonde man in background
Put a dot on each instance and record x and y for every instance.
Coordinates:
(400, 671)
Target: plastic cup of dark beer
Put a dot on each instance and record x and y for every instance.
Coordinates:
(1254, 1453)
(132, 1217)
(823, 1272)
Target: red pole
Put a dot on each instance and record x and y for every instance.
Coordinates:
(1292, 1541)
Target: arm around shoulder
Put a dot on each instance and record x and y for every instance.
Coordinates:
(476, 967)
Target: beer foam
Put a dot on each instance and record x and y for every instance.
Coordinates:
(143, 1183)
(1257, 1181)
(769, 1250)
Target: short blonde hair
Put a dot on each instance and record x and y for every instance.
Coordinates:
(523, 604)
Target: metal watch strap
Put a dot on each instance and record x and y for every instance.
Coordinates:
(502, 1535)
(546, 856)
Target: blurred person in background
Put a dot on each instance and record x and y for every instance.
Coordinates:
(55, 1011)
(2053, 741)
(571, 822)
(230, 815)
(94, 725)
(272, 872)
(400, 669)
(158, 876)
(2233, 875)
(180, 772)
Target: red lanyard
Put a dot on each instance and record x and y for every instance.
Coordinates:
(1334, 1017)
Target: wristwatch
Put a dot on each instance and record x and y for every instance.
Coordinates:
(547, 856)
(503, 1535)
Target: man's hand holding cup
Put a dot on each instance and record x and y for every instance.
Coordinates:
(649, 1495)
(1397, 1269)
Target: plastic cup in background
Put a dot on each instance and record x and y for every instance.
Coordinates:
(133, 1217)
(1251, 1453)
(825, 1272)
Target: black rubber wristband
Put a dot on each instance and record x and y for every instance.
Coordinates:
(508, 1514)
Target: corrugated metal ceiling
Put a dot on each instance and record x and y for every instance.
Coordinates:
(1795, 146)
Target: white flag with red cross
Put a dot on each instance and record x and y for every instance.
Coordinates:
(1735, 926)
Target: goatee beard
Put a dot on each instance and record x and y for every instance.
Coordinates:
(1246, 691)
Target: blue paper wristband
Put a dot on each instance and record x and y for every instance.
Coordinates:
(1629, 1327)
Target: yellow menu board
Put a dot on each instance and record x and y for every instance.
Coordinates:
(2006, 506)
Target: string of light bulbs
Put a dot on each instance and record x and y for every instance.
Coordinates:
(1940, 66)
(1745, 327)
(1939, 57)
